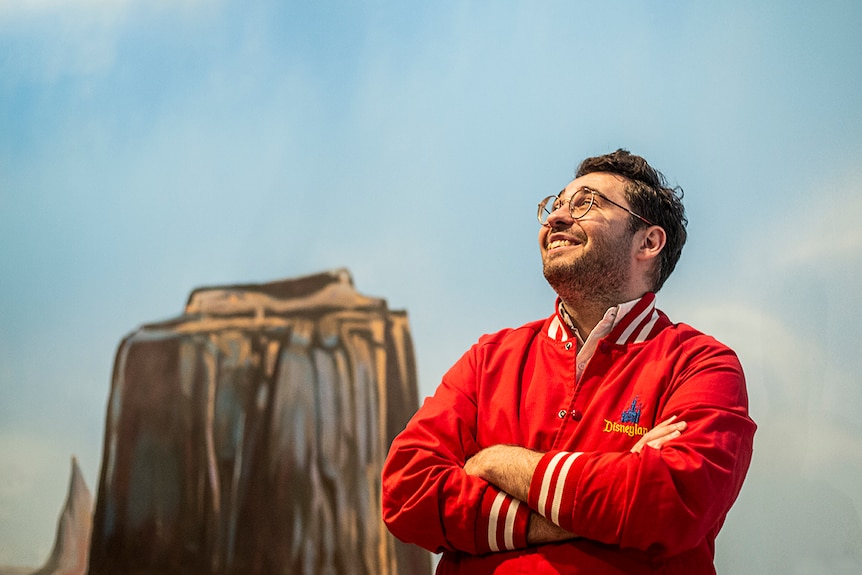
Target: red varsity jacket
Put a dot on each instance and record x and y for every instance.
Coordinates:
(656, 511)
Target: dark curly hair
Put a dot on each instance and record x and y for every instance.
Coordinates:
(648, 194)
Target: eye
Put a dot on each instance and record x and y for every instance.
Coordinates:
(580, 200)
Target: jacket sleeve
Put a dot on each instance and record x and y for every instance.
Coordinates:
(428, 499)
(662, 500)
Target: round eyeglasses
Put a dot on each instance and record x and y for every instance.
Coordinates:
(579, 204)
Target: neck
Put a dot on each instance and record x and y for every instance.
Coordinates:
(586, 313)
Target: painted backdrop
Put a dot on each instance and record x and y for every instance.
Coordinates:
(147, 148)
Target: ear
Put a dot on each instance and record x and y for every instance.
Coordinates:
(651, 242)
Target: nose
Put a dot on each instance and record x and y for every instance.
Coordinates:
(561, 217)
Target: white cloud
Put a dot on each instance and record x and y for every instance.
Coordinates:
(55, 39)
(51, 40)
(43, 7)
(824, 227)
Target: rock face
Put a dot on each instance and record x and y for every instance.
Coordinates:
(247, 436)
(72, 542)
(69, 555)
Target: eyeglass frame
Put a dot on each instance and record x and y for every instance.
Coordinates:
(593, 194)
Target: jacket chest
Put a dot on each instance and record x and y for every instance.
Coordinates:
(545, 406)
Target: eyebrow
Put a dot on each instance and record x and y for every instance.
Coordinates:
(581, 189)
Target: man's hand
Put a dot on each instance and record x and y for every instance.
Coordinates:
(508, 467)
(540, 530)
(511, 468)
(660, 434)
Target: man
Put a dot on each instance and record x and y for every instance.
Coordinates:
(604, 439)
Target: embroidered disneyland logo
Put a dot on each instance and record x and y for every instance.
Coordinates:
(629, 421)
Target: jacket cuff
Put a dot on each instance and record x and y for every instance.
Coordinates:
(502, 524)
(553, 488)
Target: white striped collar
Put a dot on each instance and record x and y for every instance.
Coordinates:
(630, 322)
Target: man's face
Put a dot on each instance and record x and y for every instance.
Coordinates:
(591, 255)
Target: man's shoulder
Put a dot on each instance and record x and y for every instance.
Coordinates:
(686, 336)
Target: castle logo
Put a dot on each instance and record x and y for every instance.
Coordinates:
(629, 421)
(633, 413)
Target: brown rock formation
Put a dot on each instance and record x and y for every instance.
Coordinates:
(247, 436)
(71, 546)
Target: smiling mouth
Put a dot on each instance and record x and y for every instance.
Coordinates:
(559, 244)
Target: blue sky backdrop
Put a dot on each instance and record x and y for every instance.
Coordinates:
(148, 148)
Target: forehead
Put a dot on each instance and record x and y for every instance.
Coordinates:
(611, 185)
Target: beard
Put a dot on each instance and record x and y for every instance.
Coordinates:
(600, 273)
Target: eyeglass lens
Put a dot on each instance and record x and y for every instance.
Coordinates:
(579, 204)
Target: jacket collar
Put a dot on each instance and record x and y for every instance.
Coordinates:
(632, 322)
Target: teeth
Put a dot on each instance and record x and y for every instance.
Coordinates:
(558, 244)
